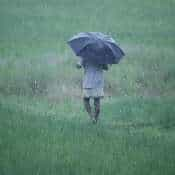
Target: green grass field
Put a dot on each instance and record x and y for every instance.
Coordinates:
(44, 129)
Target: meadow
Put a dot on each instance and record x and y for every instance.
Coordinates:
(44, 128)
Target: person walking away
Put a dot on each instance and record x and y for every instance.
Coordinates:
(93, 85)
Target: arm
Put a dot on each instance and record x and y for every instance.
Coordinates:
(79, 64)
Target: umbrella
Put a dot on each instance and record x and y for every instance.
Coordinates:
(96, 47)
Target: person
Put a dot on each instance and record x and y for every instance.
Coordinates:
(93, 84)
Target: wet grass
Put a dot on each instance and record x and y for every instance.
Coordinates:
(37, 138)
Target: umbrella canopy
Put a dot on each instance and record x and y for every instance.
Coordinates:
(96, 47)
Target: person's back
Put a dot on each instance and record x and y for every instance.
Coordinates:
(93, 76)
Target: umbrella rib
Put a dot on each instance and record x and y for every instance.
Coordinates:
(84, 47)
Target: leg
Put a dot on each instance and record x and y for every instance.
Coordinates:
(97, 107)
(87, 105)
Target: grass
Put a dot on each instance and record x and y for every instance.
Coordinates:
(43, 126)
(40, 138)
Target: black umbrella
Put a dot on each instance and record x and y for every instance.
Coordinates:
(96, 47)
